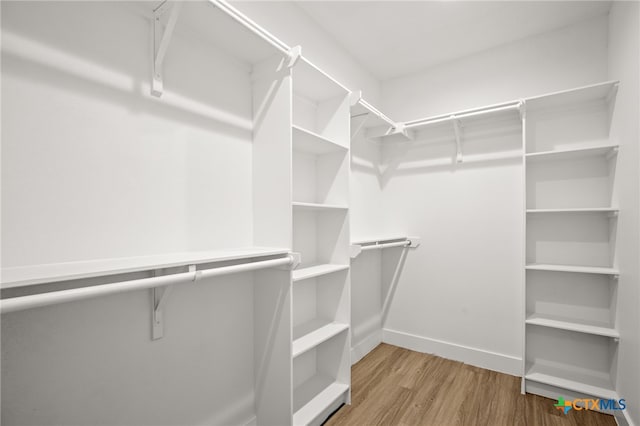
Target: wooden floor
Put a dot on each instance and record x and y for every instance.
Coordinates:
(395, 386)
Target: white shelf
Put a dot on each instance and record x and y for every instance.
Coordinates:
(576, 210)
(316, 271)
(314, 84)
(312, 143)
(54, 272)
(567, 377)
(314, 396)
(317, 206)
(595, 92)
(572, 325)
(572, 154)
(309, 335)
(383, 239)
(572, 268)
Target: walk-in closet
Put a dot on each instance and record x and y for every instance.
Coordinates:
(305, 212)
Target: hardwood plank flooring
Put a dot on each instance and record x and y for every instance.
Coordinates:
(396, 386)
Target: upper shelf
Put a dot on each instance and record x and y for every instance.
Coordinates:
(312, 143)
(55, 272)
(225, 27)
(575, 210)
(380, 239)
(314, 84)
(604, 151)
(602, 91)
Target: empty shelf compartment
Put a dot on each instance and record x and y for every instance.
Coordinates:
(315, 397)
(311, 334)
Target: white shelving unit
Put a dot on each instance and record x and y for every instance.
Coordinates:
(144, 193)
(321, 286)
(570, 341)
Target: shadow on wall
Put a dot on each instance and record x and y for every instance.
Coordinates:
(484, 143)
(123, 85)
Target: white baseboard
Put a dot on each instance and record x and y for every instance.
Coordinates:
(365, 346)
(478, 357)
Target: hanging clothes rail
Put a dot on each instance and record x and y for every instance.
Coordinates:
(56, 297)
(387, 245)
(406, 242)
(251, 25)
(491, 109)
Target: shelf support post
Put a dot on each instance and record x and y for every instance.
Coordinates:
(161, 37)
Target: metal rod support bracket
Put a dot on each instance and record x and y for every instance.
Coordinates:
(295, 261)
(457, 130)
(160, 295)
(522, 109)
(162, 32)
(294, 54)
(415, 242)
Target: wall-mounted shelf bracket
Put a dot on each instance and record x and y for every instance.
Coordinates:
(457, 128)
(294, 54)
(160, 296)
(357, 123)
(165, 17)
(616, 277)
(355, 250)
(296, 260)
(522, 109)
(415, 242)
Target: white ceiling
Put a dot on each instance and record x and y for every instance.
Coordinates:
(395, 38)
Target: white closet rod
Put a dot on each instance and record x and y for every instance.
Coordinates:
(386, 245)
(56, 297)
(514, 105)
(251, 25)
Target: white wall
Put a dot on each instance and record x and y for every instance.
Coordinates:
(293, 26)
(460, 293)
(93, 167)
(86, 148)
(624, 58)
(569, 57)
